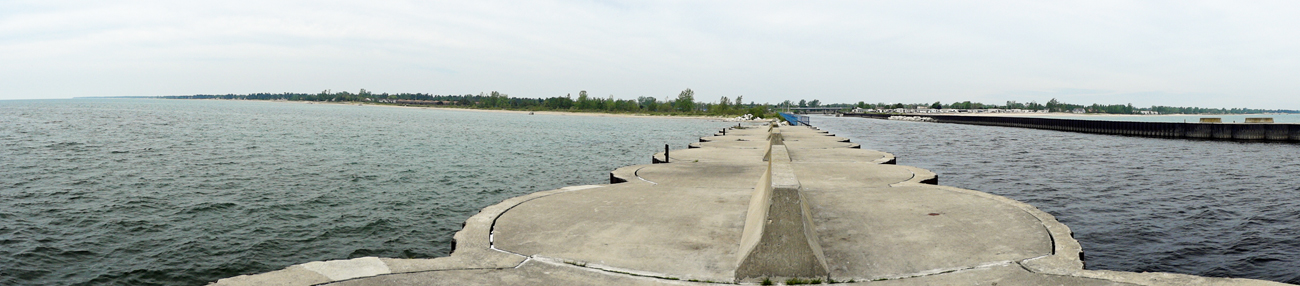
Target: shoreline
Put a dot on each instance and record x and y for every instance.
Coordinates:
(548, 112)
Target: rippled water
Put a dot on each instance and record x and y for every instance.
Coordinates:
(184, 192)
(1211, 208)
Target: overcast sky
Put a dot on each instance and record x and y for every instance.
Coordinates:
(1183, 53)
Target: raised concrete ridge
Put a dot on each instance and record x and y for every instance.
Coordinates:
(693, 220)
(779, 239)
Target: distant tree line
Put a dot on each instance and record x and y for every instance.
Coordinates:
(683, 104)
(1055, 106)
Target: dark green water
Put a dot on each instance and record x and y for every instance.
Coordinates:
(184, 192)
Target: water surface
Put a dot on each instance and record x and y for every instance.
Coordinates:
(184, 192)
(1211, 208)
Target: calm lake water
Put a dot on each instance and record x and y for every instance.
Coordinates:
(184, 192)
(1211, 208)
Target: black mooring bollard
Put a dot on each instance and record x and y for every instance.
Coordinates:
(724, 132)
(665, 153)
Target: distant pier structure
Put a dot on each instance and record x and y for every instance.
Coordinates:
(815, 110)
(1252, 130)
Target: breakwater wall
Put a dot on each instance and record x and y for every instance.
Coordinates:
(1214, 131)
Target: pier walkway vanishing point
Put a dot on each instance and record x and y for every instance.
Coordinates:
(757, 203)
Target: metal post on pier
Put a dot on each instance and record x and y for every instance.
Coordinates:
(665, 153)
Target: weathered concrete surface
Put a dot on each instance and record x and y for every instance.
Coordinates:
(690, 233)
(780, 239)
(293, 275)
(348, 269)
(1002, 274)
(683, 220)
(533, 272)
(920, 230)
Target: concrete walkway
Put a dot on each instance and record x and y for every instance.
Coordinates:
(865, 220)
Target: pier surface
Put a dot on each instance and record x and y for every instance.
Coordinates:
(754, 204)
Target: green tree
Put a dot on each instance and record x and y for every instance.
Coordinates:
(647, 102)
(803, 103)
(666, 106)
(1054, 106)
(583, 102)
(936, 105)
(565, 102)
(723, 106)
(685, 101)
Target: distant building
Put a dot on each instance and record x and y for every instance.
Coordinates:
(1078, 110)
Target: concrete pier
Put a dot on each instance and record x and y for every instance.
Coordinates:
(755, 204)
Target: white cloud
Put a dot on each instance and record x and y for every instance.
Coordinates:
(1207, 53)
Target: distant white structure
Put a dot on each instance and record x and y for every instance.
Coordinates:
(746, 117)
(912, 118)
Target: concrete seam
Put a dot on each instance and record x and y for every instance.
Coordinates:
(908, 182)
(493, 229)
(521, 263)
(421, 271)
(637, 173)
(940, 271)
(1023, 208)
(1031, 259)
(658, 277)
(324, 267)
(1077, 274)
(1026, 268)
(908, 179)
(1050, 236)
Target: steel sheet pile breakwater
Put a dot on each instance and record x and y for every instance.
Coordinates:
(1216, 131)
